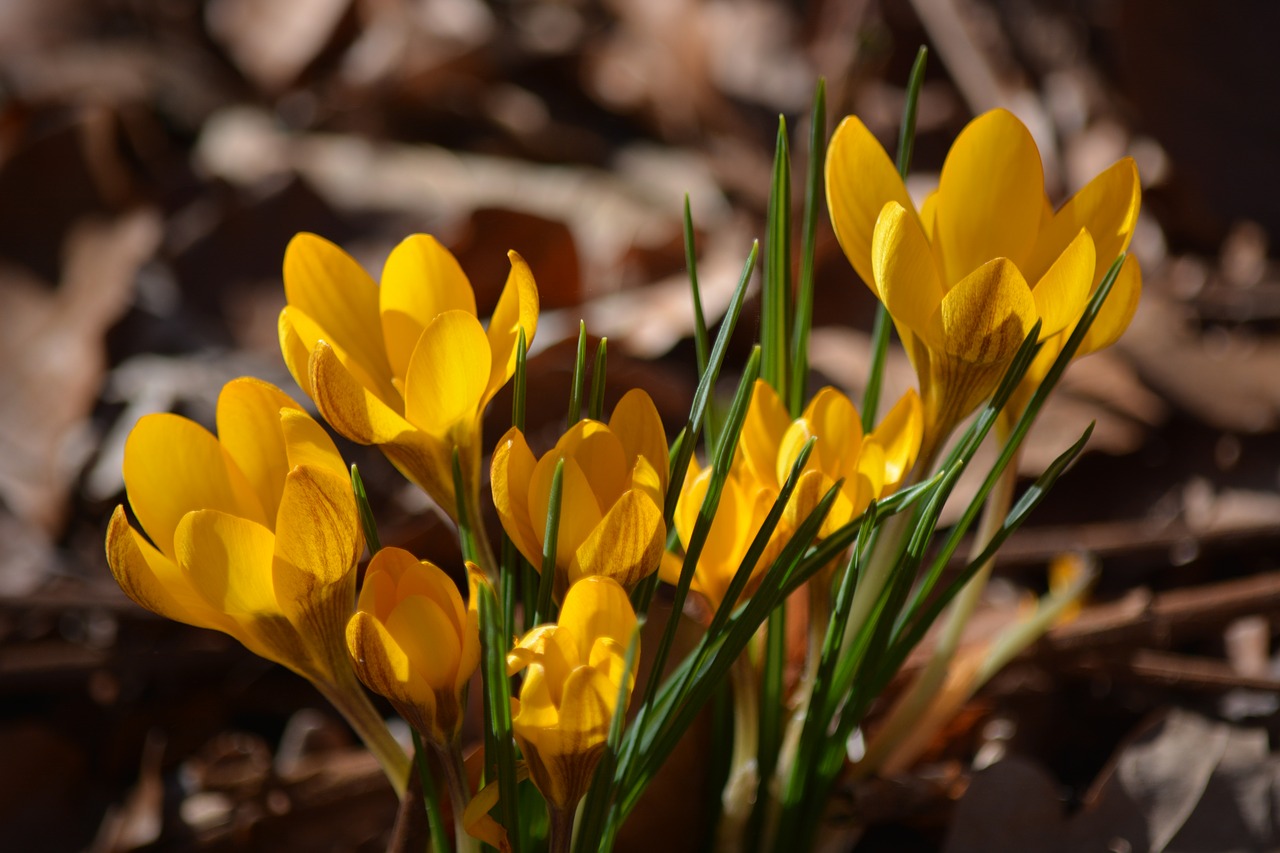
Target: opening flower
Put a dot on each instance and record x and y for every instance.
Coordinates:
(575, 670)
(413, 641)
(872, 466)
(254, 533)
(967, 276)
(613, 487)
(407, 365)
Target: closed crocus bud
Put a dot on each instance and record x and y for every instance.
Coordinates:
(574, 670)
(254, 533)
(405, 366)
(967, 275)
(413, 641)
(613, 487)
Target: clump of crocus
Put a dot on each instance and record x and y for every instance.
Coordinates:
(574, 672)
(871, 465)
(613, 485)
(405, 366)
(254, 533)
(966, 277)
(413, 641)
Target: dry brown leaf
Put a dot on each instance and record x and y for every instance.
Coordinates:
(273, 41)
(52, 343)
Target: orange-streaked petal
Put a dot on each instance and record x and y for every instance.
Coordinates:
(173, 466)
(446, 381)
(511, 477)
(326, 283)
(153, 580)
(626, 545)
(300, 333)
(990, 195)
(905, 272)
(988, 314)
(860, 180)
(1060, 295)
(384, 666)
(420, 281)
(636, 423)
(318, 538)
(249, 430)
(517, 309)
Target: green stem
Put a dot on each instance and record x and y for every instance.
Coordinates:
(348, 696)
(435, 819)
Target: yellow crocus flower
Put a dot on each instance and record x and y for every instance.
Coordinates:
(872, 466)
(613, 487)
(254, 533)
(967, 276)
(575, 669)
(413, 641)
(405, 365)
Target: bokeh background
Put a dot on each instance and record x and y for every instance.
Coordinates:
(157, 155)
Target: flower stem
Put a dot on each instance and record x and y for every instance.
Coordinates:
(561, 838)
(347, 695)
(744, 778)
(455, 774)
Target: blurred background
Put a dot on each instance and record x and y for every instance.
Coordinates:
(157, 155)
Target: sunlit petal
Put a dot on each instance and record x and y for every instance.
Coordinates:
(517, 309)
(1060, 295)
(447, 375)
(420, 281)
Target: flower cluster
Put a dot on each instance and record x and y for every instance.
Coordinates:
(258, 533)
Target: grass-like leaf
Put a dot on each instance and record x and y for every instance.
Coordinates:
(547, 579)
(595, 410)
(775, 296)
(500, 761)
(579, 376)
(798, 382)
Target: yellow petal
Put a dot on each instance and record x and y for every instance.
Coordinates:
(173, 466)
(647, 480)
(990, 195)
(905, 272)
(1060, 295)
(511, 476)
(626, 545)
(362, 417)
(869, 475)
(447, 375)
(469, 658)
(762, 430)
(636, 423)
(586, 710)
(899, 433)
(331, 288)
(249, 430)
(318, 539)
(383, 665)
(602, 458)
(834, 419)
(692, 493)
(422, 628)
(860, 180)
(378, 592)
(425, 578)
(299, 334)
(229, 561)
(530, 648)
(153, 580)
(988, 314)
(517, 309)
(420, 281)
(579, 512)
(1107, 206)
(307, 443)
(597, 607)
(1117, 311)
